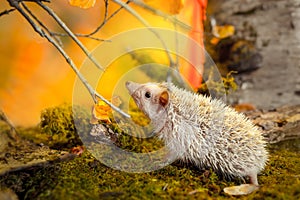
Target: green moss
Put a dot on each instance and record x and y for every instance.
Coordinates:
(57, 127)
(225, 86)
(86, 178)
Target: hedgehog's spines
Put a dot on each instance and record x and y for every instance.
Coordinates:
(206, 132)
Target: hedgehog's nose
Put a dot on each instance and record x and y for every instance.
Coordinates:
(131, 86)
(128, 83)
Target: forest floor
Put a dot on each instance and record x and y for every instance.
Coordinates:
(29, 169)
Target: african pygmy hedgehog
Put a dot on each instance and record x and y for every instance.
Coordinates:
(202, 130)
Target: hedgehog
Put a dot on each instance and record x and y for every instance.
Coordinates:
(202, 130)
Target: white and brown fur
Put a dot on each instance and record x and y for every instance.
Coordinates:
(202, 130)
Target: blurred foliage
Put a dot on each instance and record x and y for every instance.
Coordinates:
(171, 7)
(156, 69)
(227, 85)
(85, 4)
(229, 81)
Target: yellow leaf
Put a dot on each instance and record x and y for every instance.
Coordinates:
(171, 7)
(82, 3)
(222, 32)
(101, 111)
(214, 41)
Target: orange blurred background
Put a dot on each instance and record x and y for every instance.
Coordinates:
(34, 75)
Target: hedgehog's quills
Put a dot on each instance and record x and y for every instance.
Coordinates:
(206, 131)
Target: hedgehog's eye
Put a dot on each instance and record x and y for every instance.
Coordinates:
(148, 95)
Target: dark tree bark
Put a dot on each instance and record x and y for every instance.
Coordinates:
(274, 28)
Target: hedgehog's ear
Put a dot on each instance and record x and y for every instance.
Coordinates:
(164, 98)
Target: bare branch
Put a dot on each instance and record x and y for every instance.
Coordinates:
(6, 12)
(80, 35)
(40, 23)
(70, 33)
(42, 33)
(48, 1)
(106, 19)
(16, 5)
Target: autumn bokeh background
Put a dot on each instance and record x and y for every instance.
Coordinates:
(35, 76)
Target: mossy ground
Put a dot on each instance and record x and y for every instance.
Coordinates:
(86, 178)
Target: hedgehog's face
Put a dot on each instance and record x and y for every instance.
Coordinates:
(151, 98)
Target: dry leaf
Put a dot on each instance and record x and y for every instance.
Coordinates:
(221, 32)
(243, 189)
(116, 101)
(214, 41)
(83, 3)
(101, 111)
(77, 150)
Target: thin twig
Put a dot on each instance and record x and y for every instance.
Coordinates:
(106, 19)
(80, 35)
(48, 1)
(70, 33)
(6, 12)
(42, 33)
(145, 23)
(170, 18)
(40, 23)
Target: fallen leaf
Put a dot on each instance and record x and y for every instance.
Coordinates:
(77, 150)
(244, 107)
(85, 4)
(243, 189)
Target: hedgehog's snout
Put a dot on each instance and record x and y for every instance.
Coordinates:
(131, 86)
(128, 83)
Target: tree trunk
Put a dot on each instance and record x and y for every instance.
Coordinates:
(274, 27)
